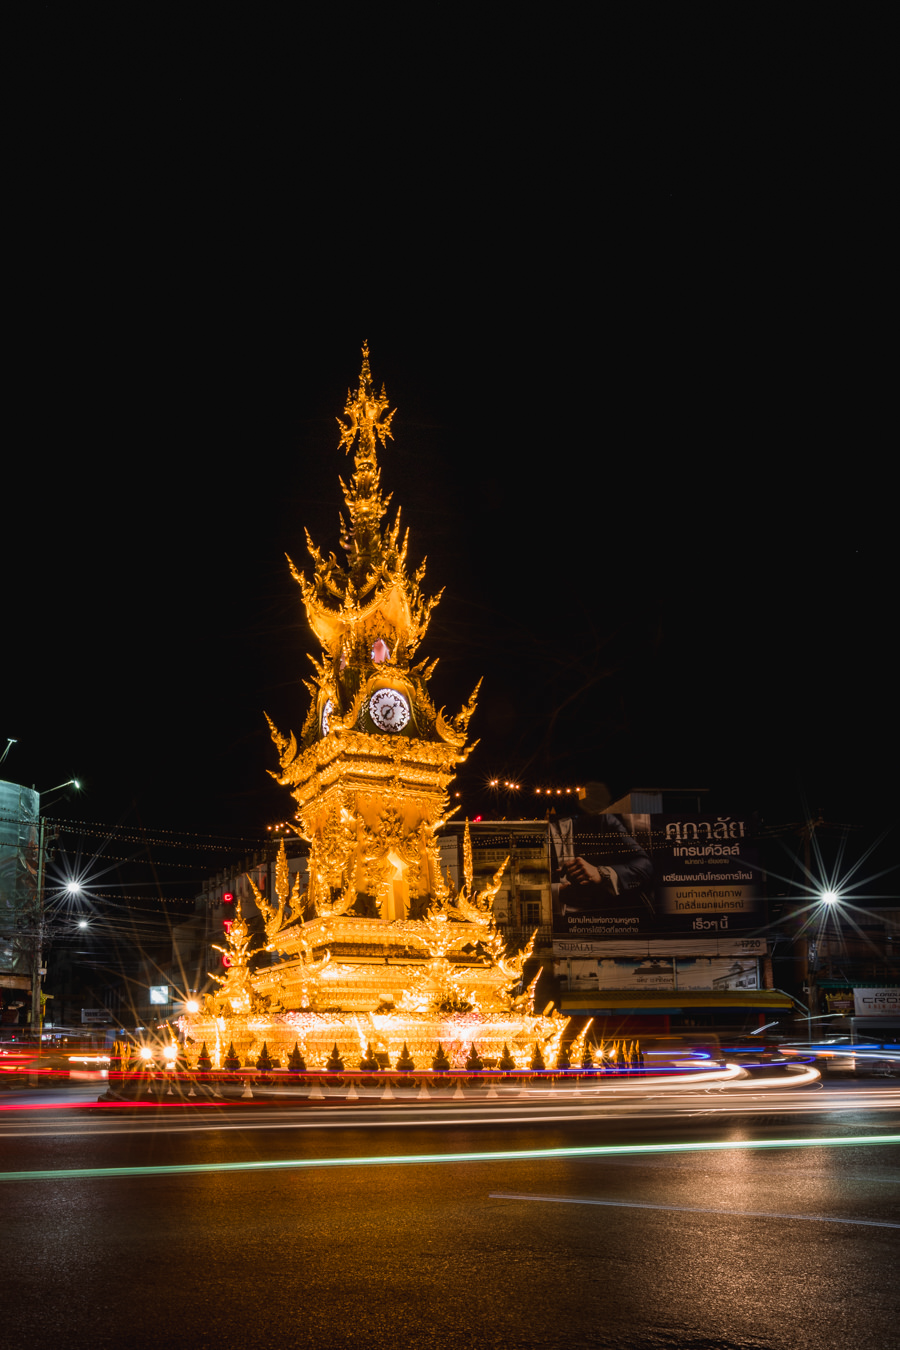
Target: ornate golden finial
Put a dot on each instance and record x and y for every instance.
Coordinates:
(275, 917)
(238, 938)
(365, 374)
(365, 413)
(467, 858)
(282, 874)
(368, 421)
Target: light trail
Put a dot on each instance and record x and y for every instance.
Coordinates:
(24, 1120)
(358, 1118)
(688, 1209)
(552, 1088)
(794, 1076)
(399, 1160)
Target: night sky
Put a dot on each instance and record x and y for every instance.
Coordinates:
(654, 595)
(640, 436)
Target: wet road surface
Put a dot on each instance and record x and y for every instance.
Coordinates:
(745, 1245)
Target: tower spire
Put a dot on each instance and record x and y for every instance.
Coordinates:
(368, 422)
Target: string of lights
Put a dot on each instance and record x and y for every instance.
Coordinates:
(128, 899)
(103, 832)
(178, 839)
(186, 840)
(140, 862)
(112, 929)
(158, 830)
(99, 830)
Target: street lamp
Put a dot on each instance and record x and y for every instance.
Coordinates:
(826, 899)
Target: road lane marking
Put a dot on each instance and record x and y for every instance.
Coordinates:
(687, 1209)
(389, 1160)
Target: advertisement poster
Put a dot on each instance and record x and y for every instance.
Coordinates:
(662, 972)
(641, 876)
(876, 1002)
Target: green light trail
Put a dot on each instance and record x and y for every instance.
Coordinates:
(502, 1155)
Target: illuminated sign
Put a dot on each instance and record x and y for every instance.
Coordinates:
(639, 877)
(877, 1002)
(159, 993)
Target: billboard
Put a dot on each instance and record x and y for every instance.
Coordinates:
(642, 876)
(876, 1002)
(663, 972)
(19, 808)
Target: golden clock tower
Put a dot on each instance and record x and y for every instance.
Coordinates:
(381, 949)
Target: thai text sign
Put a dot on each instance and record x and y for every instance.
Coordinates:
(636, 876)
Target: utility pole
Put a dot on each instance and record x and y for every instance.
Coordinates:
(812, 947)
(37, 950)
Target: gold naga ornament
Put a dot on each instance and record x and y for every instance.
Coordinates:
(381, 949)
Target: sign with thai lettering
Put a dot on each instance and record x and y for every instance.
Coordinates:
(633, 877)
(665, 946)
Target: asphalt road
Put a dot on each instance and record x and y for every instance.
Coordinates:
(272, 1237)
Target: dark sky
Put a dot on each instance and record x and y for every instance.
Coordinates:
(664, 577)
(641, 436)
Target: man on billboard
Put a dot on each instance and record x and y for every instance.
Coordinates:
(598, 863)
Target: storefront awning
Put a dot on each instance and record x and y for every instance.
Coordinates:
(672, 1001)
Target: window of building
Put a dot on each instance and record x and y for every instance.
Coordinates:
(531, 908)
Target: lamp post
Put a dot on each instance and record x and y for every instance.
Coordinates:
(826, 899)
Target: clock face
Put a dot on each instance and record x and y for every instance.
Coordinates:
(389, 710)
(326, 716)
